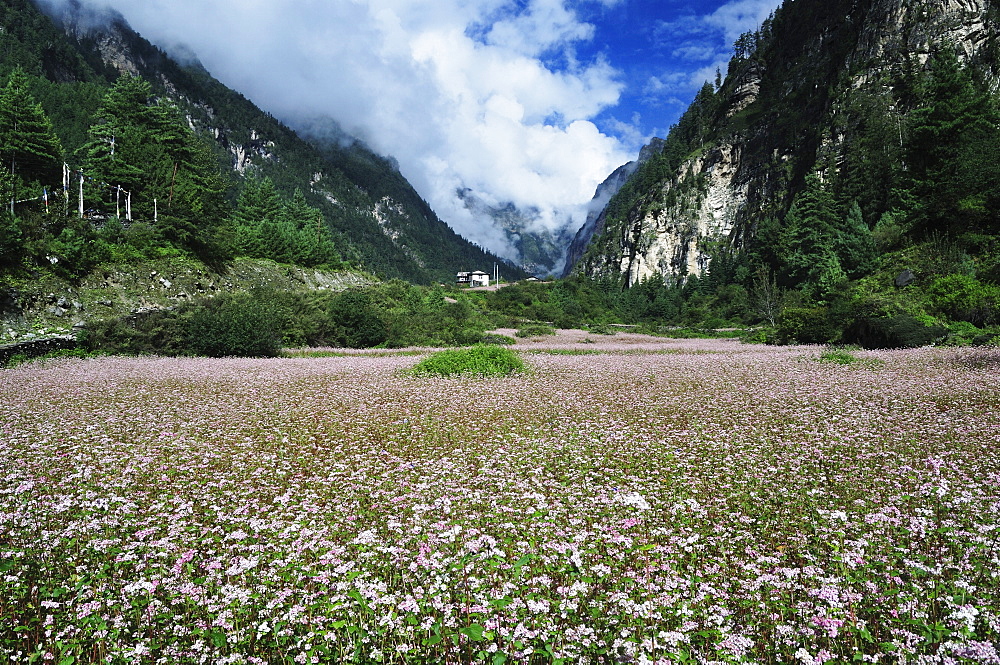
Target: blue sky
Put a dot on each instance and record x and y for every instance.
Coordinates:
(532, 102)
(665, 50)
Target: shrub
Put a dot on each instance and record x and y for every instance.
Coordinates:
(757, 336)
(160, 332)
(601, 329)
(236, 325)
(901, 331)
(535, 330)
(483, 360)
(806, 325)
(494, 338)
(355, 321)
(962, 333)
(965, 298)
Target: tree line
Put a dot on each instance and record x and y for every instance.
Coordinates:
(143, 184)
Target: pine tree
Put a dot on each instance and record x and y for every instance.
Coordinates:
(258, 205)
(142, 146)
(855, 245)
(809, 234)
(29, 147)
(953, 151)
(10, 231)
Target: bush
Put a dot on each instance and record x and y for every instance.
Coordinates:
(535, 330)
(757, 336)
(965, 298)
(962, 333)
(355, 322)
(236, 325)
(494, 338)
(901, 331)
(483, 360)
(806, 325)
(601, 329)
(159, 332)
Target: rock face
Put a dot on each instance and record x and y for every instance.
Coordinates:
(821, 53)
(671, 241)
(597, 216)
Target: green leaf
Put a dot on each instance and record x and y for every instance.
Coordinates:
(68, 660)
(218, 638)
(522, 561)
(473, 632)
(499, 659)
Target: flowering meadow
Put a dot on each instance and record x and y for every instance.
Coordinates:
(624, 500)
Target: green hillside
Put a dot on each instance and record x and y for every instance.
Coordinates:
(174, 163)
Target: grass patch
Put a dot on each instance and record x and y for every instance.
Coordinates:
(328, 353)
(535, 330)
(838, 357)
(483, 360)
(21, 359)
(841, 356)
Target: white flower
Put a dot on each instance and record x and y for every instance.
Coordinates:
(366, 537)
(634, 499)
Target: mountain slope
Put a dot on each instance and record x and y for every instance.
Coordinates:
(836, 89)
(373, 215)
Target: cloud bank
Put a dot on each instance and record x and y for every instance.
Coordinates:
(488, 95)
(500, 97)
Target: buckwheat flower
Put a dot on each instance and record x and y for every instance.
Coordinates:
(366, 537)
(737, 645)
(633, 499)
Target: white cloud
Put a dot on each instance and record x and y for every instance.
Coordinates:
(735, 18)
(461, 92)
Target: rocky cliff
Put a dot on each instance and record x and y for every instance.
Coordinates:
(803, 94)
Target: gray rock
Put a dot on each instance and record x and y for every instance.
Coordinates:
(905, 278)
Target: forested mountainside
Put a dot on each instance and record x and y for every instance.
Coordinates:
(170, 161)
(849, 163)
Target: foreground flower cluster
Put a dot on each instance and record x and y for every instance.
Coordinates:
(625, 501)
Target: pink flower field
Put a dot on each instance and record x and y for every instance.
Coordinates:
(626, 500)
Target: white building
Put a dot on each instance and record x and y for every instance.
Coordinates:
(475, 278)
